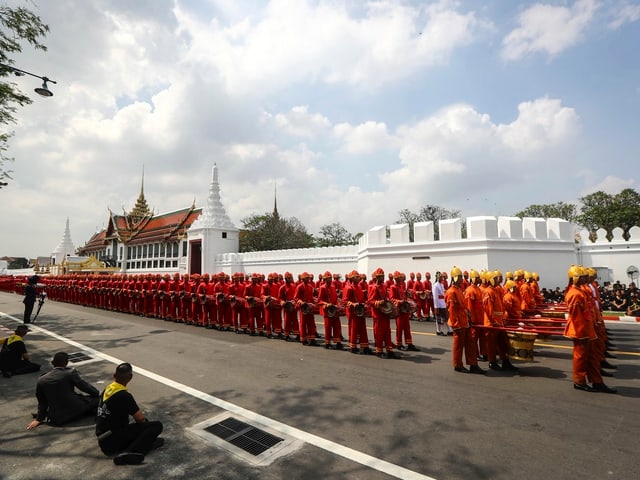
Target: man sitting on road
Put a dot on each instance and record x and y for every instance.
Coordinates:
(129, 442)
(57, 398)
(14, 358)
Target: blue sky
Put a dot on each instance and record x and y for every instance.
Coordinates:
(356, 110)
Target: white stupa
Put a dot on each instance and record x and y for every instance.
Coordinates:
(64, 248)
(212, 233)
(213, 214)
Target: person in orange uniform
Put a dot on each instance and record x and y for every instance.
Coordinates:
(376, 296)
(528, 301)
(162, 301)
(286, 294)
(272, 307)
(354, 297)
(174, 299)
(221, 292)
(497, 341)
(253, 294)
(239, 316)
(328, 302)
(459, 321)
(535, 288)
(581, 330)
(398, 295)
(200, 311)
(304, 302)
(511, 302)
(420, 297)
(473, 302)
(185, 299)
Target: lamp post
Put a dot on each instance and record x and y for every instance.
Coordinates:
(42, 91)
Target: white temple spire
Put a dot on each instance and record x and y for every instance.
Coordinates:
(65, 247)
(213, 214)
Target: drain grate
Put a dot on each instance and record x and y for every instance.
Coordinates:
(78, 357)
(249, 440)
(244, 436)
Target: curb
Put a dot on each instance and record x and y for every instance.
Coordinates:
(621, 319)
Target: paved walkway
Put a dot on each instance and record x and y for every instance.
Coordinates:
(347, 416)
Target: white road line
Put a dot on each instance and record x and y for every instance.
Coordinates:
(331, 447)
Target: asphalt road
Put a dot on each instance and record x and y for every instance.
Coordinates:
(342, 416)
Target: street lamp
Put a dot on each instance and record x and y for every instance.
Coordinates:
(43, 90)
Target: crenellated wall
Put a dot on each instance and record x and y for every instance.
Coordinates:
(505, 243)
(611, 257)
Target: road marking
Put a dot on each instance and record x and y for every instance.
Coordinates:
(331, 447)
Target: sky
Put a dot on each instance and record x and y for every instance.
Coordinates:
(353, 110)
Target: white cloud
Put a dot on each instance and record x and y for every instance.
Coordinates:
(335, 102)
(294, 41)
(299, 122)
(624, 15)
(364, 138)
(610, 184)
(540, 123)
(548, 29)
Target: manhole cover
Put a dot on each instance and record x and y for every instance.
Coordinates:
(255, 443)
(247, 437)
(79, 357)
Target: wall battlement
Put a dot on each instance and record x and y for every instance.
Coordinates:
(544, 246)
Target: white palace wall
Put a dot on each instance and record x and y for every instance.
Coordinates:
(612, 257)
(505, 243)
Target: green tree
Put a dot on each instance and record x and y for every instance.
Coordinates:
(17, 25)
(427, 213)
(334, 234)
(270, 232)
(603, 210)
(566, 211)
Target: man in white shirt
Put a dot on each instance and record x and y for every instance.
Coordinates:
(440, 306)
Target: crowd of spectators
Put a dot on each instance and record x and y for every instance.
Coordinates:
(615, 297)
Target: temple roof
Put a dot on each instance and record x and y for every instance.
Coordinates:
(141, 208)
(165, 228)
(96, 242)
(169, 227)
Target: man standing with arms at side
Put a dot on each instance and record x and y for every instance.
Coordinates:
(57, 399)
(459, 322)
(130, 442)
(581, 330)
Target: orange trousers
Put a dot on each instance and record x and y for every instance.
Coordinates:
(586, 362)
(463, 340)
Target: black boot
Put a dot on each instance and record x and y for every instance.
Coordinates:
(601, 387)
(507, 365)
(495, 366)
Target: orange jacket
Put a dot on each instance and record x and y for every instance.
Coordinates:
(493, 308)
(580, 323)
(458, 313)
